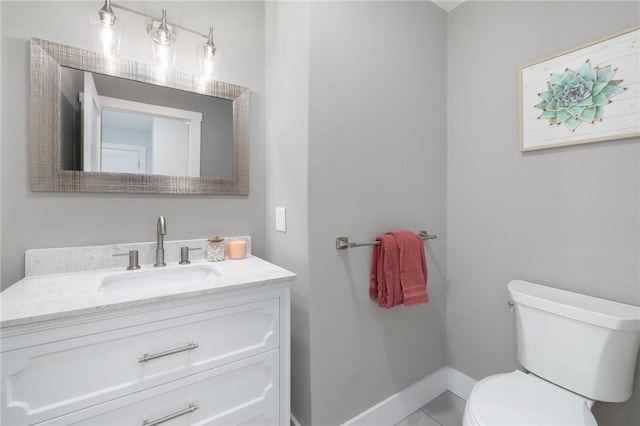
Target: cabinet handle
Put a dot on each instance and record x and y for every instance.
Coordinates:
(189, 347)
(192, 407)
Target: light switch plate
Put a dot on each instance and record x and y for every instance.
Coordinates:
(281, 219)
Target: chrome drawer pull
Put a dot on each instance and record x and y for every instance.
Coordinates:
(192, 407)
(189, 347)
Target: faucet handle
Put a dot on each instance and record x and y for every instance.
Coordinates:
(133, 259)
(184, 254)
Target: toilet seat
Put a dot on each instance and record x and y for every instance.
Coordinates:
(518, 398)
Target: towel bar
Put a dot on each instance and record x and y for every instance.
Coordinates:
(343, 242)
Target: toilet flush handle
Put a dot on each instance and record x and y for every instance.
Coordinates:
(511, 305)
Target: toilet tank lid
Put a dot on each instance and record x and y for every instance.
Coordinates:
(592, 310)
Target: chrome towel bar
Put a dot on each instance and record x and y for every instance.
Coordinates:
(343, 242)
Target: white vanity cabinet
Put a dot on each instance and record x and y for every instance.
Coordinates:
(213, 359)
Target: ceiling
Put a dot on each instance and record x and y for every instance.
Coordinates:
(448, 5)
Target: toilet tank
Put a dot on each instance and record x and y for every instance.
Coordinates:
(585, 344)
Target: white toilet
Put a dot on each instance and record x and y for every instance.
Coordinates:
(577, 350)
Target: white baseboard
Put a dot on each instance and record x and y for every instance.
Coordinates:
(459, 383)
(294, 421)
(398, 406)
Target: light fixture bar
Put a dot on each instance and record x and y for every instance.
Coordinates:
(157, 19)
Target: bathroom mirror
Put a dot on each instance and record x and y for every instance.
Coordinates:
(105, 124)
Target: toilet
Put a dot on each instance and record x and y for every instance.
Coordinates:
(576, 350)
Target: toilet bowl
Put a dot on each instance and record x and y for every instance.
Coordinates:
(576, 349)
(519, 398)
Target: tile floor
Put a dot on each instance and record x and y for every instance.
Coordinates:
(445, 410)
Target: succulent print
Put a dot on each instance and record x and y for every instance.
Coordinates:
(574, 97)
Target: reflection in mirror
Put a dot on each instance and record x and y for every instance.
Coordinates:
(104, 124)
(125, 126)
(145, 144)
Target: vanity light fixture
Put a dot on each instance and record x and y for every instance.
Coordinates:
(162, 33)
(163, 36)
(109, 31)
(206, 55)
(107, 17)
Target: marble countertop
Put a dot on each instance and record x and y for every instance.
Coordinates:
(53, 296)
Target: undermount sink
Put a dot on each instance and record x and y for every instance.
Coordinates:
(191, 274)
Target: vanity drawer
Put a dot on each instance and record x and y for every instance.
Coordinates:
(245, 391)
(45, 381)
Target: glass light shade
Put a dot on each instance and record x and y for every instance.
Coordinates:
(207, 58)
(206, 63)
(106, 14)
(160, 32)
(163, 36)
(163, 56)
(107, 36)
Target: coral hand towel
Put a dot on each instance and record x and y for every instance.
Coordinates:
(413, 267)
(399, 270)
(385, 272)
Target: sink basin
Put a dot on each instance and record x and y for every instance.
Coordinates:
(191, 274)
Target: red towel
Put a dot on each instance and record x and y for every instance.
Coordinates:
(399, 270)
(385, 272)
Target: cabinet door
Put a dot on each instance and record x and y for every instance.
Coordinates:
(53, 379)
(243, 392)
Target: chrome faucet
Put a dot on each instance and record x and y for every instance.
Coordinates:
(162, 231)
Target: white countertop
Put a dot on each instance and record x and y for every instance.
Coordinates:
(53, 296)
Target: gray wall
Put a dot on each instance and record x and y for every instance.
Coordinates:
(355, 150)
(38, 220)
(567, 217)
(287, 77)
(377, 162)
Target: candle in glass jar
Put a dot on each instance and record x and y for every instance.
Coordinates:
(237, 249)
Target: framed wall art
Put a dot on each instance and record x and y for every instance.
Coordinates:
(588, 94)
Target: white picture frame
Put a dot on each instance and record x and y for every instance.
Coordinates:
(588, 94)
